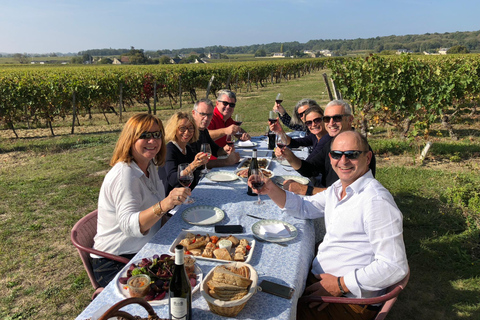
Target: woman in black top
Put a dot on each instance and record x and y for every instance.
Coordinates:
(180, 131)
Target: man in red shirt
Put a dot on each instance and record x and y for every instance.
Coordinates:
(222, 122)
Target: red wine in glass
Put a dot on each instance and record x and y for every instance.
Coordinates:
(278, 101)
(272, 121)
(258, 184)
(185, 181)
(238, 123)
(281, 145)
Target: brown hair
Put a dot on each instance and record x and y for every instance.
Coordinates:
(132, 130)
(172, 126)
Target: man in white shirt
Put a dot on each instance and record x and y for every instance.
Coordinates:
(363, 251)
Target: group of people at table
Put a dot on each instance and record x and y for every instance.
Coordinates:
(362, 252)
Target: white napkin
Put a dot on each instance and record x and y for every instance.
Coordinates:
(276, 230)
(247, 143)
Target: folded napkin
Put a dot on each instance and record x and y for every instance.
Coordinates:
(276, 230)
(247, 143)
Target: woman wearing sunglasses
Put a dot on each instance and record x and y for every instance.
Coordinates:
(181, 130)
(297, 122)
(317, 138)
(132, 200)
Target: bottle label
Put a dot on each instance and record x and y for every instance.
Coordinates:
(178, 308)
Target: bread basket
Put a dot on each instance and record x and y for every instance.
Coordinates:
(229, 308)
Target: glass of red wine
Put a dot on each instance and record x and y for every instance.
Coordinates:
(185, 179)
(281, 141)
(238, 119)
(205, 148)
(258, 181)
(272, 117)
(279, 98)
(230, 140)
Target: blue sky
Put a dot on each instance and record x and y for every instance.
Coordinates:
(44, 26)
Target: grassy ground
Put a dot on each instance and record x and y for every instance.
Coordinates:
(48, 183)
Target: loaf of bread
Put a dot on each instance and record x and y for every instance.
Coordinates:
(229, 283)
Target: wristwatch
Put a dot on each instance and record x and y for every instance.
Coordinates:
(309, 191)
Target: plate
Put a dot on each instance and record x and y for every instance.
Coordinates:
(221, 176)
(266, 172)
(256, 230)
(281, 179)
(123, 291)
(263, 163)
(252, 145)
(203, 215)
(182, 235)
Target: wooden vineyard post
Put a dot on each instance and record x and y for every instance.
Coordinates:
(248, 80)
(74, 107)
(325, 78)
(120, 102)
(209, 86)
(155, 97)
(271, 79)
(180, 90)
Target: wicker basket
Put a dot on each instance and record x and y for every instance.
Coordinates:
(229, 308)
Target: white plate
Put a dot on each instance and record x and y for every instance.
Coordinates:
(281, 179)
(284, 162)
(182, 235)
(256, 230)
(245, 162)
(221, 176)
(203, 215)
(123, 290)
(252, 145)
(271, 174)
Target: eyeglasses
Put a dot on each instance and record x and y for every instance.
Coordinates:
(336, 118)
(183, 129)
(225, 103)
(351, 154)
(150, 135)
(317, 121)
(203, 114)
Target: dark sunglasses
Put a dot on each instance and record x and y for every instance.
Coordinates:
(351, 154)
(336, 118)
(300, 114)
(225, 103)
(150, 135)
(317, 121)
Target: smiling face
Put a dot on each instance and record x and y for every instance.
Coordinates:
(349, 170)
(301, 111)
(184, 133)
(316, 127)
(226, 111)
(144, 150)
(334, 128)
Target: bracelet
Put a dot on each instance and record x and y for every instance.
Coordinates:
(340, 286)
(157, 210)
(309, 191)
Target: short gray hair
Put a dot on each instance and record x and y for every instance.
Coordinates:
(228, 93)
(207, 101)
(310, 102)
(346, 107)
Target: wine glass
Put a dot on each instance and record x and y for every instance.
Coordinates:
(272, 117)
(185, 179)
(257, 181)
(279, 98)
(230, 140)
(238, 119)
(281, 141)
(205, 148)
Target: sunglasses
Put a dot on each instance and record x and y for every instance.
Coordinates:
(317, 121)
(225, 103)
(150, 135)
(336, 118)
(351, 154)
(183, 129)
(300, 114)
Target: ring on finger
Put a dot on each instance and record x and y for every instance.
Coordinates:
(178, 198)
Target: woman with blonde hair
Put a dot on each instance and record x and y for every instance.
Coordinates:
(132, 200)
(181, 130)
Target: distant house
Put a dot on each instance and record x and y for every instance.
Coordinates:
(326, 53)
(310, 53)
(124, 59)
(200, 61)
(116, 61)
(278, 55)
(213, 55)
(175, 60)
(443, 51)
(400, 51)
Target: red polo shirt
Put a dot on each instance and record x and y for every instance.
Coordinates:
(218, 123)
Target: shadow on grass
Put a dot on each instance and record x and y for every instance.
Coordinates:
(444, 272)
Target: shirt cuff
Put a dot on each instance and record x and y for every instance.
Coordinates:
(351, 283)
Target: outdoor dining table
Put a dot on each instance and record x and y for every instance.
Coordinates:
(285, 265)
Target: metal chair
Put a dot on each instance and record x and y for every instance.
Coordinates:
(388, 299)
(82, 236)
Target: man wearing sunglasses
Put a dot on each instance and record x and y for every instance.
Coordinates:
(202, 114)
(363, 250)
(222, 123)
(337, 118)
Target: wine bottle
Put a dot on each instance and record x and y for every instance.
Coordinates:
(253, 165)
(180, 292)
(271, 140)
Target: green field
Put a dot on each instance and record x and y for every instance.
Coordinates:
(48, 183)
